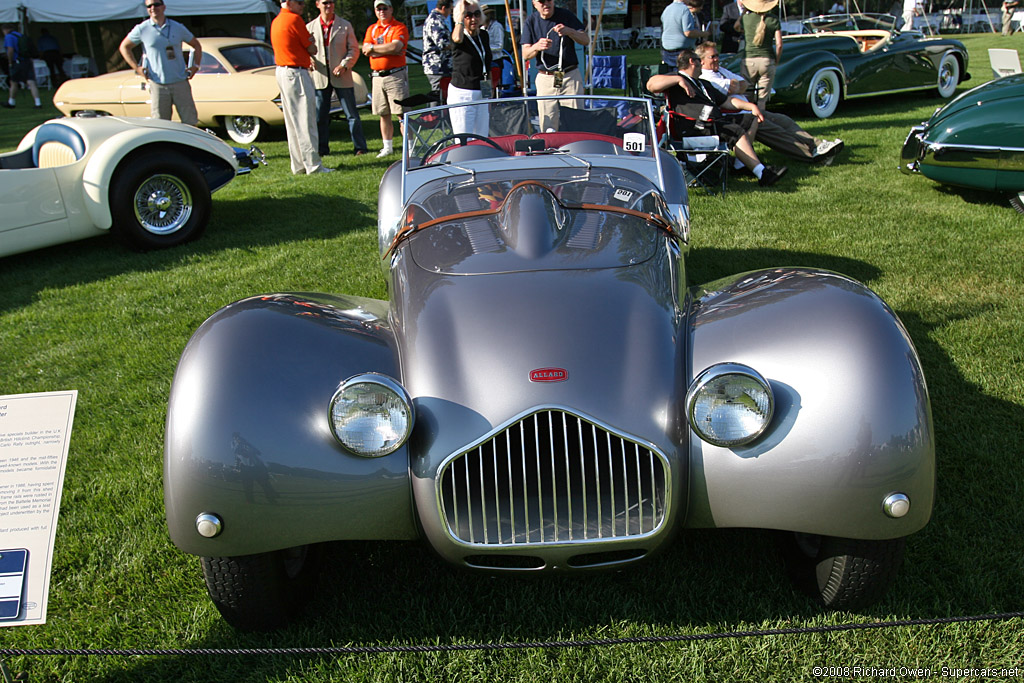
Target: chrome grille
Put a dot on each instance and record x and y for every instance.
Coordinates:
(553, 477)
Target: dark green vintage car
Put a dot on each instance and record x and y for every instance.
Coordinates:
(976, 141)
(862, 55)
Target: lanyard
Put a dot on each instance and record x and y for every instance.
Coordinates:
(378, 33)
(479, 47)
(540, 57)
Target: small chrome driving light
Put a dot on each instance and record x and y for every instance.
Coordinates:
(729, 404)
(896, 505)
(209, 525)
(371, 415)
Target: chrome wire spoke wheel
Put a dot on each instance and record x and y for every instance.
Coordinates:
(163, 204)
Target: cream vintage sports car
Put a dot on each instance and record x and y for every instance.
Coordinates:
(146, 181)
(234, 88)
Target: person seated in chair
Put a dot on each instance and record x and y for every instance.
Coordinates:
(777, 131)
(698, 101)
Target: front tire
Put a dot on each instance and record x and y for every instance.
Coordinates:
(243, 129)
(265, 591)
(824, 93)
(949, 75)
(842, 573)
(159, 200)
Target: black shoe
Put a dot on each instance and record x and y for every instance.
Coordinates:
(7, 105)
(37, 106)
(771, 175)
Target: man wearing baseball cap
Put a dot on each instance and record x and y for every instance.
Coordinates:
(385, 44)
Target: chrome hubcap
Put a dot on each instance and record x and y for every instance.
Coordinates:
(823, 93)
(163, 204)
(245, 124)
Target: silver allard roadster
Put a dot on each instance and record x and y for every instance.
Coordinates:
(544, 391)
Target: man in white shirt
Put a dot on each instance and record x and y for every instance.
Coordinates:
(910, 8)
(777, 131)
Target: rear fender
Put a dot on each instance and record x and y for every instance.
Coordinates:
(852, 421)
(248, 437)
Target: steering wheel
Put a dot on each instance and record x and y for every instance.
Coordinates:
(462, 138)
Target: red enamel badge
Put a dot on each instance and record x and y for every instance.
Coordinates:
(549, 375)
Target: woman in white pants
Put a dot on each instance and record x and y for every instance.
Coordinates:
(471, 61)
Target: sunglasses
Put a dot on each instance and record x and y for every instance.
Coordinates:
(155, 4)
(475, 13)
(326, 2)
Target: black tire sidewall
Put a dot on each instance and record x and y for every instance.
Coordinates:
(130, 176)
(255, 592)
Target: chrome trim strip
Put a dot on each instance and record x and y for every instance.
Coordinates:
(930, 86)
(938, 146)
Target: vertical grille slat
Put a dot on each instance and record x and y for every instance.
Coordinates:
(553, 477)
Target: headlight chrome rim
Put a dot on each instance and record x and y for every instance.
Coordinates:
(715, 376)
(368, 381)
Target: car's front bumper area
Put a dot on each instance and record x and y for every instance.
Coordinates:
(249, 159)
(913, 148)
(918, 152)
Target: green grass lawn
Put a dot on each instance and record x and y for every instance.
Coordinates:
(112, 324)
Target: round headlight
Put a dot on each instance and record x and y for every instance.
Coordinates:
(371, 415)
(729, 404)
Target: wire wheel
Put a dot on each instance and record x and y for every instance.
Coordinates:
(158, 199)
(163, 204)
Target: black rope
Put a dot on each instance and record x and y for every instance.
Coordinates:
(383, 649)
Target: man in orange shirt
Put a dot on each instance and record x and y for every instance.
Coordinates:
(292, 49)
(384, 44)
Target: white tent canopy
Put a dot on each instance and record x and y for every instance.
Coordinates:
(66, 11)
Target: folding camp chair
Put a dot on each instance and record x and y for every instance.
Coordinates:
(42, 74)
(704, 157)
(1005, 62)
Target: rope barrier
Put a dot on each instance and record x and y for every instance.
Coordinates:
(385, 649)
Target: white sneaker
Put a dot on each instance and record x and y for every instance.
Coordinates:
(322, 169)
(384, 152)
(824, 147)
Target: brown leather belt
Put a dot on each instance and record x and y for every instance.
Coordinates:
(387, 72)
(566, 70)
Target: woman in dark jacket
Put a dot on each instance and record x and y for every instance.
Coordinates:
(471, 63)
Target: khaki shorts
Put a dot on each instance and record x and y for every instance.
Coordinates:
(387, 89)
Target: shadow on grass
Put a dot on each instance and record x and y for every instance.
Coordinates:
(966, 561)
(234, 224)
(973, 196)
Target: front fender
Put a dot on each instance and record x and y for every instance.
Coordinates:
(852, 417)
(248, 437)
(793, 76)
(103, 162)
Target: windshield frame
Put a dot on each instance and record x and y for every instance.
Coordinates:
(647, 129)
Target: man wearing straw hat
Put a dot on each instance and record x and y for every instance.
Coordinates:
(762, 33)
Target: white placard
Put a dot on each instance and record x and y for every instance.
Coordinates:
(35, 430)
